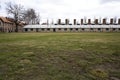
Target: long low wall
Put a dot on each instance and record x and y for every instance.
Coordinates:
(72, 28)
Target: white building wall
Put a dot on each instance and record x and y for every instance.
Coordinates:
(73, 28)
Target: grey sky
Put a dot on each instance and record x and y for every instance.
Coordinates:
(109, 1)
(54, 9)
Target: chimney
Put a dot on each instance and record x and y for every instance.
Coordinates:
(81, 21)
(104, 21)
(119, 21)
(96, 21)
(67, 21)
(74, 22)
(111, 21)
(59, 21)
(89, 21)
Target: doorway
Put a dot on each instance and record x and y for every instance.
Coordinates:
(36, 29)
(54, 30)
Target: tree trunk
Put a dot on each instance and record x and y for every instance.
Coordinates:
(16, 26)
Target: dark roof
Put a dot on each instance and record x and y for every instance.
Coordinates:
(4, 19)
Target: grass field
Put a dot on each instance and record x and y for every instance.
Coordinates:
(59, 56)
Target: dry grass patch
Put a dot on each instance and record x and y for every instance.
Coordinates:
(25, 61)
(28, 53)
(94, 40)
(99, 73)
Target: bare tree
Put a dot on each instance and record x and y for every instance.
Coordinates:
(85, 19)
(31, 16)
(100, 20)
(16, 11)
(115, 20)
(47, 21)
(52, 22)
(94, 19)
(37, 19)
(0, 4)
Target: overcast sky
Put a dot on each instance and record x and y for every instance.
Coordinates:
(54, 9)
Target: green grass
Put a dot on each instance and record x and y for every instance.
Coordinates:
(59, 56)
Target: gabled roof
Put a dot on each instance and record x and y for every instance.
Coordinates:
(4, 19)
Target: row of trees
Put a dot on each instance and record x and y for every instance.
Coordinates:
(19, 13)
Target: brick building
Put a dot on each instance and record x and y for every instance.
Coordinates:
(8, 25)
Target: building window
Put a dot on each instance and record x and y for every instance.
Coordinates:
(65, 29)
(37, 30)
(76, 29)
(71, 29)
(26, 29)
(113, 29)
(54, 29)
(83, 29)
(48, 29)
(107, 29)
(31, 29)
(59, 29)
(91, 29)
(42, 29)
(99, 29)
